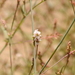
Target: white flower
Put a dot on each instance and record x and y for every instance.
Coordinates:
(37, 35)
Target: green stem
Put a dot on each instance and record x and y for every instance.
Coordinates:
(32, 19)
(25, 17)
(34, 54)
(15, 15)
(17, 27)
(10, 51)
(57, 46)
(58, 61)
(20, 25)
(3, 48)
(6, 37)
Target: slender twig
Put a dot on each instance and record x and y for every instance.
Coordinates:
(24, 3)
(58, 61)
(10, 51)
(17, 27)
(18, 2)
(6, 37)
(32, 19)
(40, 59)
(68, 53)
(36, 6)
(3, 48)
(31, 66)
(20, 25)
(58, 46)
(34, 54)
(25, 17)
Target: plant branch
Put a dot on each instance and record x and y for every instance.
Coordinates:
(18, 2)
(58, 45)
(58, 61)
(10, 51)
(20, 25)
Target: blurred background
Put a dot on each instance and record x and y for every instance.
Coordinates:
(52, 18)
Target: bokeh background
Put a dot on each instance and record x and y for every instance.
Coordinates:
(52, 18)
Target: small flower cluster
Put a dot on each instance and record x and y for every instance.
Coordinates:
(37, 36)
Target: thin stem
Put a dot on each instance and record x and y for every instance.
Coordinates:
(32, 17)
(58, 46)
(34, 60)
(58, 61)
(4, 47)
(17, 27)
(25, 17)
(24, 3)
(20, 25)
(6, 37)
(35, 57)
(36, 6)
(10, 50)
(15, 14)
(31, 66)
